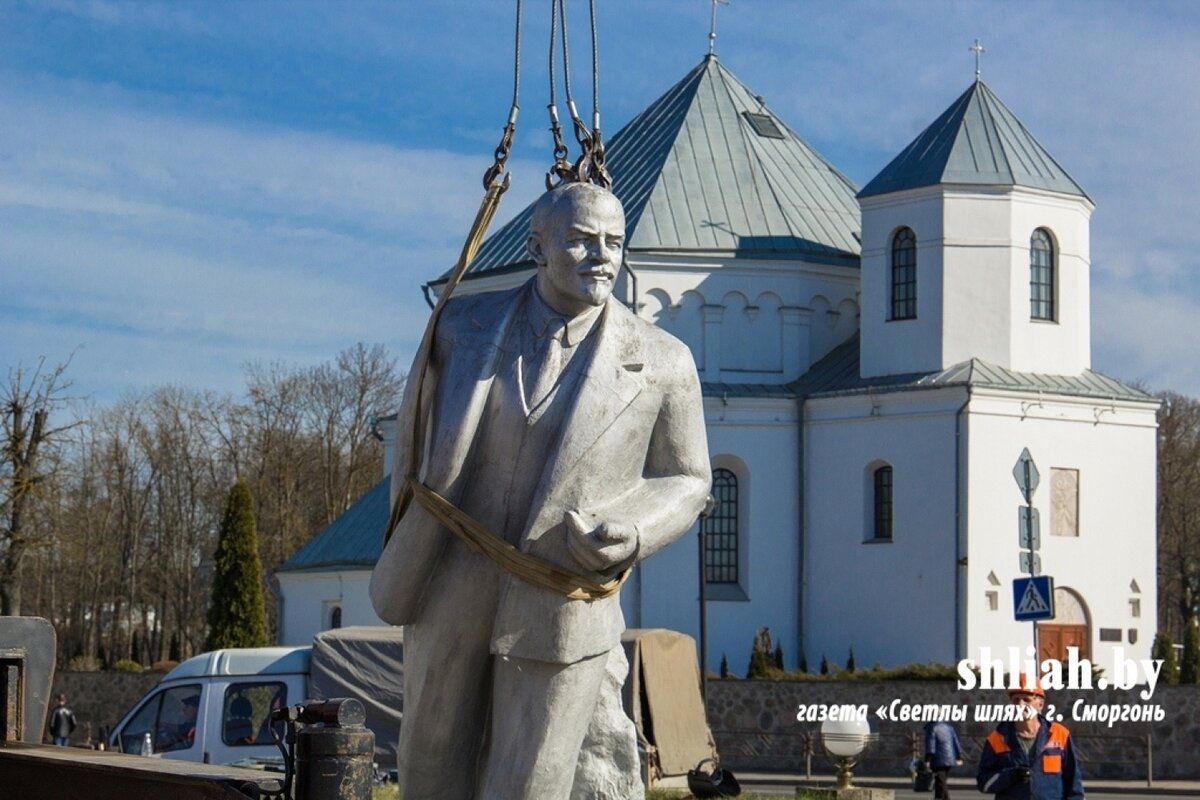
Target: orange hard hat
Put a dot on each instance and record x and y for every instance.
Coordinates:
(1028, 684)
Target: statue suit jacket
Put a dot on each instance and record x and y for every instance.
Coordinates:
(632, 449)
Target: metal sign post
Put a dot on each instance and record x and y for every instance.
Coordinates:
(1033, 597)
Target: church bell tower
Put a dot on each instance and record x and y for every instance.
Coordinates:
(975, 245)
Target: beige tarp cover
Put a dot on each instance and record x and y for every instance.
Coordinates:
(366, 663)
(662, 696)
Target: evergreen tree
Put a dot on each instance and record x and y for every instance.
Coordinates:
(236, 613)
(724, 666)
(758, 664)
(1164, 650)
(779, 656)
(760, 655)
(850, 661)
(803, 662)
(1189, 670)
(824, 665)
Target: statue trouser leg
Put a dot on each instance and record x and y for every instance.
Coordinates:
(609, 767)
(540, 713)
(448, 681)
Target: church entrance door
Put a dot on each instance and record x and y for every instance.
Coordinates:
(1053, 641)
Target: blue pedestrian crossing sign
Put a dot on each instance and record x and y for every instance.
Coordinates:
(1033, 598)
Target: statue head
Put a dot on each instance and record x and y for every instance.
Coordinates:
(577, 240)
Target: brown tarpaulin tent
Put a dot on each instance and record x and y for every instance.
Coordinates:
(662, 695)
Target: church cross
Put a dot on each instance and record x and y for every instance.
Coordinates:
(978, 50)
(712, 28)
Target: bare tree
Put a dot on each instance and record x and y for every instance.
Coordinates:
(1178, 512)
(343, 400)
(120, 550)
(28, 400)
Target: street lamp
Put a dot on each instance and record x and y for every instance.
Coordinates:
(844, 742)
(710, 505)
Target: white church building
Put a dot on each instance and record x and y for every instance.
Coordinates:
(874, 363)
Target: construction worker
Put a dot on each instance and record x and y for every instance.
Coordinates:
(1030, 758)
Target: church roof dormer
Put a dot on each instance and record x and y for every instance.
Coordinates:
(708, 168)
(976, 141)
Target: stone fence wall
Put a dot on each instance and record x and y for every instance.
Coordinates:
(100, 698)
(755, 725)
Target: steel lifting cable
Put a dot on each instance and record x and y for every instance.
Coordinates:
(560, 171)
(498, 167)
(599, 170)
(590, 165)
(581, 131)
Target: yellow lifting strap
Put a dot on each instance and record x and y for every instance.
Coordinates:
(483, 218)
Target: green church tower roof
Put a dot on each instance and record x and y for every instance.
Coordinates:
(708, 168)
(976, 141)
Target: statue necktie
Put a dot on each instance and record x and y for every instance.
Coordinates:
(545, 367)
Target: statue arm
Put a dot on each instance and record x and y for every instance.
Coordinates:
(383, 589)
(405, 417)
(676, 478)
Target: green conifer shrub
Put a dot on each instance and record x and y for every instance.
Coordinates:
(1164, 650)
(237, 613)
(1189, 670)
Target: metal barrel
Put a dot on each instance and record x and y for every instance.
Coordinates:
(334, 763)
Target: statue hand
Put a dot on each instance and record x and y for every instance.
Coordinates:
(601, 548)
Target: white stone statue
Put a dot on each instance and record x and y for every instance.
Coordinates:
(572, 430)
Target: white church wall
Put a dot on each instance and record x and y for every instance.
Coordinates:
(747, 321)
(978, 315)
(895, 347)
(892, 602)
(1061, 347)
(756, 438)
(309, 598)
(1112, 445)
(973, 281)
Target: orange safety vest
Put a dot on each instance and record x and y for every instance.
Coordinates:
(1058, 738)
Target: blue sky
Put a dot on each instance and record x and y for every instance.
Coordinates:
(188, 186)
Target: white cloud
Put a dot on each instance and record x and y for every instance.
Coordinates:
(1155, 345)
(119, 194)
(160, 235)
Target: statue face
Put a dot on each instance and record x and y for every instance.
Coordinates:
(577, 244)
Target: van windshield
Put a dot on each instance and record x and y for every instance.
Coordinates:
(166, 722)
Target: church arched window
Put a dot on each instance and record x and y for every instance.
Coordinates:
(335, 617)
(721, 530)
(904, 275)
(1041, 275)
(881, 504)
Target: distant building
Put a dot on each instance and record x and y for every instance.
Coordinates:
(874, 363)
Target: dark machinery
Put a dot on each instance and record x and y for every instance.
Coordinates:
(327, 750)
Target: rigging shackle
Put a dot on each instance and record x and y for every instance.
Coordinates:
(499, 164)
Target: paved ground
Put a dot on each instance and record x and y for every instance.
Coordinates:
(964, 788)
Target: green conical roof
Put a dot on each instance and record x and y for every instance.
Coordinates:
(708, 168)
(976, 141)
